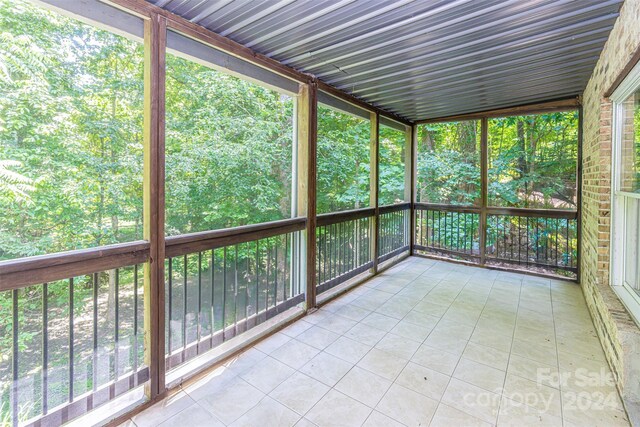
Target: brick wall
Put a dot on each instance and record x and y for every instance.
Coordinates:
(618, 333)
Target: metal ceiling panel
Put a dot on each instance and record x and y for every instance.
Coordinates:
(423, 59)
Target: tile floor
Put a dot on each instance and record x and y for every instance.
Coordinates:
(425, 343)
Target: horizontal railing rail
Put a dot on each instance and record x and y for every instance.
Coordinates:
(23, 272)
(343, 216)
(193, 242)
(394, 208)
(446, 208)
(491, 210)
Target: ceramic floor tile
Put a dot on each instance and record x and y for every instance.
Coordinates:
(380, 321)
(326, 368)
(423, 380)
(317, 337)
(534, 371)
(398, 346)
(299, 392)
(270, 413)
(364, 386)
(336, 410)
(378, 419)
(475, 401)
(267, 374)
(382, 363)
(480, 375)
(193, 416)
(353, 312)
(337, 324)
(295, 353)
(268, 345)
(517, 414)
(487, 356)
(365, 334)
(211, 383)
(448, 416)
(249, 358)
(348, 349)
(163, 410)
(412, 331)
(436, 359)
(296, 328)
(545, 399)
(584, 412)
(407, 406)
(233, 401)
(444, 342)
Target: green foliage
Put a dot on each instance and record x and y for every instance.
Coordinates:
(70, 134)
(391, 165)
(449, 163)
(533, 160)
(343, 161)
(228, 150)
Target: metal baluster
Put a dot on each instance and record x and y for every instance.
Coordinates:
(286, 265)
(135, 321)
(556, 240)
(446, 244)
(184, 302)
(511, 228)
(569, 257)
(527, 242)
(247, 281)
(213, 288)
(257, 278)
(519, 241)
(224, 293)
(116, 334)
(235, 290)
(458, 232)
(15, 356)
(170, 275)
(95, 332)
(71, 338)
(497, 236)
(45, 347)
(199, 316)
(275, 270)
(266, 277)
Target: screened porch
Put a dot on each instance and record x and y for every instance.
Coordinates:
(338, 213)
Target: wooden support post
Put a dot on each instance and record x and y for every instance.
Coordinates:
(484, 158)
(410, 166)
(153, 208)
(307, 129)
(374, 176)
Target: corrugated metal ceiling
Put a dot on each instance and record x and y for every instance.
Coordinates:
(423, 59)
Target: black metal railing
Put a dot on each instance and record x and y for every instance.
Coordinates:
(343, 248)
(448, 230)
(544, 242)
(75, 343)
(214, 294)
(393, 230)
(541, 240)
